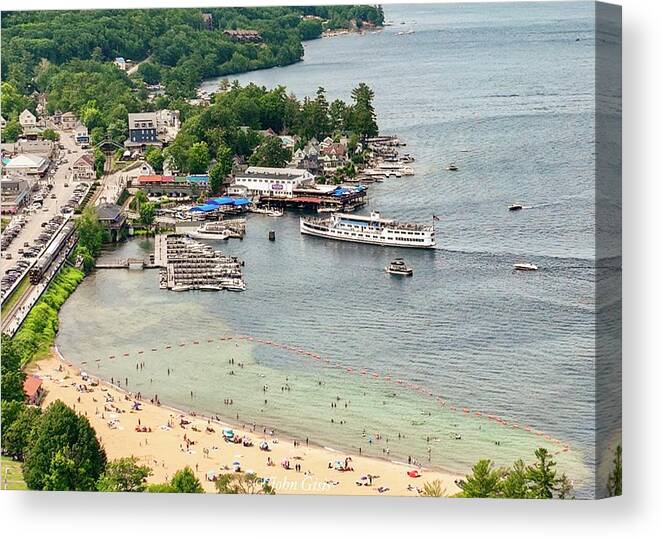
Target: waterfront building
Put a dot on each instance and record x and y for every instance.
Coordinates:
(172, 186)
(112, 218)
(275, 182)
(332, 156)
(83, 168)
(307, 158)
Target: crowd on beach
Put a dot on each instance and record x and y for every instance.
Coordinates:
(112, 402)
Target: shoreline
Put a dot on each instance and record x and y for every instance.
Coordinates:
(62, 380)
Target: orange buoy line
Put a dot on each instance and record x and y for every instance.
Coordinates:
(439, 399)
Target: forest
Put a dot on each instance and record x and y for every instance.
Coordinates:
(182, 48)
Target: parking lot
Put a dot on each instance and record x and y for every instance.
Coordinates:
(50, 206)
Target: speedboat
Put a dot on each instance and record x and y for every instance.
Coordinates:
(452, 167)
(525, 266)
(212, 230)
(399, 267)
(515, 207)
(180, 288)
(275, 213)
(234, 285)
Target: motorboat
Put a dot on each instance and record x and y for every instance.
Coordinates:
(515, 207)
(399, 267)
(452, 167)
(234, 285)
(275, 213)
(212, 230)
(525, 266)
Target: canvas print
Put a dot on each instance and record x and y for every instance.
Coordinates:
(325, 250)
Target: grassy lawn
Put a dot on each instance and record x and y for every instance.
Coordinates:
(15, 295)
(12, 476)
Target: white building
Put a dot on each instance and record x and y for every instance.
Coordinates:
(27, 120)
(68, 120)
(120, 62)
(269, 181)
(30, 164)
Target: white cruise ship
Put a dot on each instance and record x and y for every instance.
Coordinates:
(370, 229)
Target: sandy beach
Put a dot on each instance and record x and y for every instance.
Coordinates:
(177, 439)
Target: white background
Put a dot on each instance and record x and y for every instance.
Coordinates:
(634, 515)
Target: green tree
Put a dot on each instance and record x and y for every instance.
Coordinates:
(361, 117)
(150, 72)
(99, 159)
(242, 483)
(50, 134)
(124, 475)
(18, 435)
(270, 153)
(86, 258)
(160, 488)
(542, 475)
(10, 368)
(11, 131)
(63, 452)
(155, 158)
(485, 481)
(221, 170)
(515, 483)
(614, 484)
(62, 472)
(10, 411)
(90, 231)
(434, 489)
(139, 199)
(199, 158)
(185, 481)
(147, 214)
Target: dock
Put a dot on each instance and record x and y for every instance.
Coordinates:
(186, 264)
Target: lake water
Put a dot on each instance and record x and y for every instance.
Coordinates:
(506, 93)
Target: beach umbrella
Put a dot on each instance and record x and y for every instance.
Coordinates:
(236, 463)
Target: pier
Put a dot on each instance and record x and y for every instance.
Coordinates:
(186, 264)
(126, 263)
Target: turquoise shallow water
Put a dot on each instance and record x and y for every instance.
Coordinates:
(506, 92)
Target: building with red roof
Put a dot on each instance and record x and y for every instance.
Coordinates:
(33, 389)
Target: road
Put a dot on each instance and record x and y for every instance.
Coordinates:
(51, 205)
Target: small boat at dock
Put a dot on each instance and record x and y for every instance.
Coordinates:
(399, 267)
(211, 230)
(525, 266)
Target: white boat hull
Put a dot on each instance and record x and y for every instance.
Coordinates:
(427, 243)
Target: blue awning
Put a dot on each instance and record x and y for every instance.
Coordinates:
(241, 201)
(221, 201)
(204, 207)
